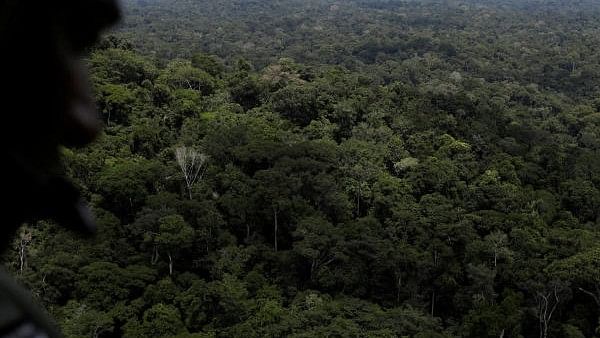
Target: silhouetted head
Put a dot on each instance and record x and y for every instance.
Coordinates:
(45, 104)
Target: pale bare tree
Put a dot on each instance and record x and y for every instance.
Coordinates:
(547, 303)
(193, 165)
(497, 243)
(25, 238)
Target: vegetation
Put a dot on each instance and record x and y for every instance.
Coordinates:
(336, 169)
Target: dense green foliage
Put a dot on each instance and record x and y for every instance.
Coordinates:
(336, 169)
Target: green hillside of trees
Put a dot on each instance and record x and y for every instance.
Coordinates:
(335, 169)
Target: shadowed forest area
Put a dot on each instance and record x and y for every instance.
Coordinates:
(320, 168)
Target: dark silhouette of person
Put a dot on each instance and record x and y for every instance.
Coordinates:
(45, 104)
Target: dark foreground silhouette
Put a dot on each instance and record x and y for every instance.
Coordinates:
(46, 104)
